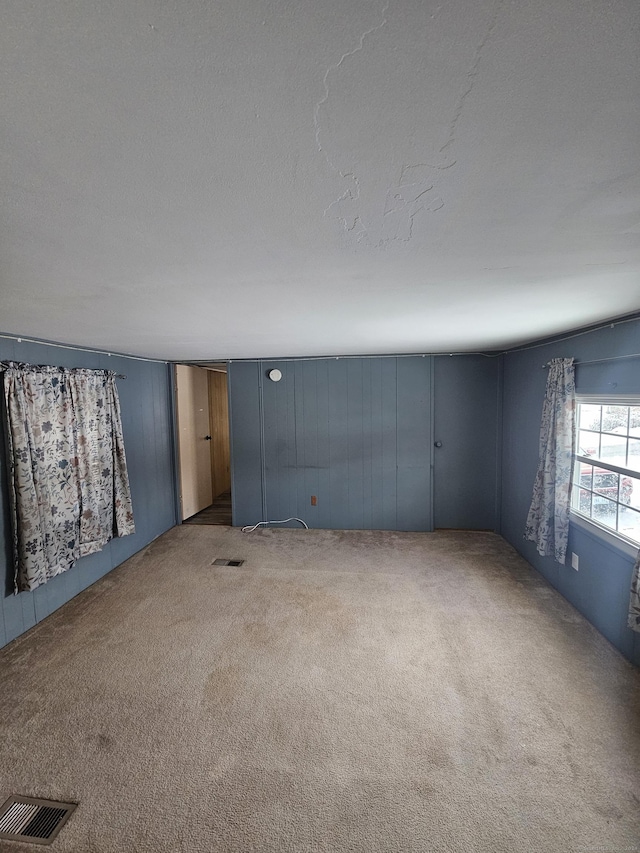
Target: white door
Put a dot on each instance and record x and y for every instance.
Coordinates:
(194, 439)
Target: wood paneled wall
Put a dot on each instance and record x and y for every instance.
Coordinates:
(353, 434)
(219, 426)
(348, 443)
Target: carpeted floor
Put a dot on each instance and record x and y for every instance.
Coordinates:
(341, 691)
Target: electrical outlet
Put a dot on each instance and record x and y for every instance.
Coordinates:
(575, 561)
(314, 500)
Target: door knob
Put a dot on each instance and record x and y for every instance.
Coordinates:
(207, 438)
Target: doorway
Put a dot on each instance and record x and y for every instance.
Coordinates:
(203, 443)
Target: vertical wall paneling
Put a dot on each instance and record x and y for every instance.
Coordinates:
(245, 413)
(414, 440)
(321, 514)
(219, 426)
(353, 433)
(279, 444)
(308, 439)
(465, 410)
(338, 495)
(433, 439)
(387, 395)
(263, 476)
(600, 589)
(146, 422)
(499, 425)
(356, 447)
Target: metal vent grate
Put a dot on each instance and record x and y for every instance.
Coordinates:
(222, 562)
(32, 820)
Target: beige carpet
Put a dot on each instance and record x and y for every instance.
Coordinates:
(341, 691)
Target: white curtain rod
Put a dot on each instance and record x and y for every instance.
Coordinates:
(601, 360)
(5, 364)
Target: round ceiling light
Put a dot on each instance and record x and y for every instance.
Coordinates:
(275, 375)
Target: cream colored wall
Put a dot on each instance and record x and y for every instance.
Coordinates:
(192, 391)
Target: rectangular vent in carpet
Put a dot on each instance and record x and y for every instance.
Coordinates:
(222, 562)
(33, 821)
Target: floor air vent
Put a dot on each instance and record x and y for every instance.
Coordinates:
(35, 821)
(222, 562)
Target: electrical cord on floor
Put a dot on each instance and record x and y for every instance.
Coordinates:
(249, 528)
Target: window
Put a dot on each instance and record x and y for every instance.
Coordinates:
(606, 478)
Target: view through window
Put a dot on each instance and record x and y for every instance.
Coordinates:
(606, 480)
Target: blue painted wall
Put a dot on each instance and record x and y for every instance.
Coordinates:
(354, 432)
(358, 434)
(600, 589)
(467, 421)
(147, 425)
(244, 382)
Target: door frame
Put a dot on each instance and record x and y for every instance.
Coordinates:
(173, 402)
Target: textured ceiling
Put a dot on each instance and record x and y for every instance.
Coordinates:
(240, 178)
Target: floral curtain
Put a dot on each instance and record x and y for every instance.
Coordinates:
(634, 603)
(67, 468)
(548, 519)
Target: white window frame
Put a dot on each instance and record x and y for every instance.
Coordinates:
(589, 524)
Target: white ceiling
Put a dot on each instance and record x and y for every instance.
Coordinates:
(187, 179)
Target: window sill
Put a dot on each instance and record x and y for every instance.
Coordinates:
(602, 534)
